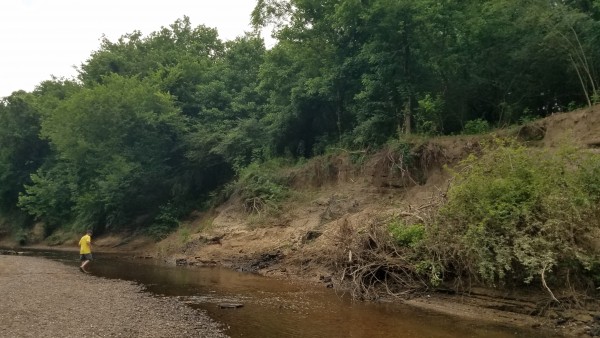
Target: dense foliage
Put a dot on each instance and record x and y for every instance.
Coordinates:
(514, 215)
(154, 123)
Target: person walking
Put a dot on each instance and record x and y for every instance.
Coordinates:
(85, 250)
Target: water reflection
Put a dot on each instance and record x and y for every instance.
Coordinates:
(274, 308)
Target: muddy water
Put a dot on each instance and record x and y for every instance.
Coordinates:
(275, 308)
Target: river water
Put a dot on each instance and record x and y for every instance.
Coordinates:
(276, 308)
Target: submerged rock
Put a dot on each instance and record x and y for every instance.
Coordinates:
(230, 305)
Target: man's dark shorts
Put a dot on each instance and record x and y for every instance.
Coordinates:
(86, 257)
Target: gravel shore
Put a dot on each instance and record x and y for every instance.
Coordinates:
(43, 298)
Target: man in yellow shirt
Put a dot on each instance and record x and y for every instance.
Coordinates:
(85, 250)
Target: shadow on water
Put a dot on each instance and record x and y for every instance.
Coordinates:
(276, 308)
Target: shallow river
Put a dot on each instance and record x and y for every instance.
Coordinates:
(276, 308)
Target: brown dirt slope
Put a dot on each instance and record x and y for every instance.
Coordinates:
(581, 127)
(333, 191)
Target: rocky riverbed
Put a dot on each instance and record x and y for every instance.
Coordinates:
(43, 298)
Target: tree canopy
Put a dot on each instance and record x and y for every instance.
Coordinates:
(155, 123)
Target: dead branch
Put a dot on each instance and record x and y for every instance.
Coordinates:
(546, 285)
(410, 214)
(254, 205)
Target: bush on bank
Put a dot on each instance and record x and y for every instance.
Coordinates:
(516, 215)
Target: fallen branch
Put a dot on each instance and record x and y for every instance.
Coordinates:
(410, 214)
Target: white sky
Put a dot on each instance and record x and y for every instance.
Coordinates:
(40, 38)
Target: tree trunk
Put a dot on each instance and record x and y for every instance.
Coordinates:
(407, 116)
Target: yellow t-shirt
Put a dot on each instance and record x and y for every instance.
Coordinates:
(84, 244)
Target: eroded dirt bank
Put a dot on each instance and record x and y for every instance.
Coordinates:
(42, 298)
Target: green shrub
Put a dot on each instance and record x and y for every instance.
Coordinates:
(165, 222)
(477, 126)
(184, 235)
(406, 235)
(20, 236)
(432, 270)
(589, 176)
(402, 149)
(261, 187)
(429, 115)
(527, 118)
(573, 106)
(517, 212)
(59, 237)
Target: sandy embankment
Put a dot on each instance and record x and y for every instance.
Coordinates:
(43, 298)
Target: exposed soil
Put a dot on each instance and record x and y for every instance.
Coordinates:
(43, 298)
(298, 240)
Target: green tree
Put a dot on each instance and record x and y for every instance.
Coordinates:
(21, 150)
(306, 77)
(121, 141)
(49, 194)
(136, 55)
(573, 36)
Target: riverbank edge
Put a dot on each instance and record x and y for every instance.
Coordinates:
(481, 306)
(43, 297)
(569, 323)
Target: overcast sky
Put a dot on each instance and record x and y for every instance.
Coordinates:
(40, 38)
